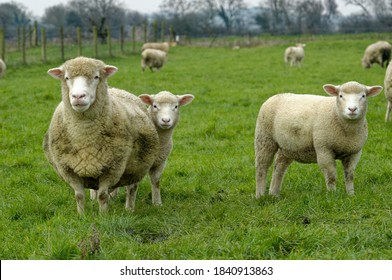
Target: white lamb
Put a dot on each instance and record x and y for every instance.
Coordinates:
(294, 55)
(98, 138)
(2, 68)
(163, 46)
(164, 111)
(378, 52)
(153, 59)
(388, 91)
(312, 129)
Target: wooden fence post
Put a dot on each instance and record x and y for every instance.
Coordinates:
(35, 34)
(109, 41)
(95, 41)
(62, 43)
(133, 39)
(145, 32)
(79, 40)
(122, 38)
(43, 45)
(163, 31)
(24, 44)
(2, 43)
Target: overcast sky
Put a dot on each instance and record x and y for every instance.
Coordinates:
(37, 7)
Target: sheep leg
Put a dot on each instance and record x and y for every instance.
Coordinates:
(349, 165)
(155, 178)
(389, 109)
(281, 165)
(264, 155)
(326, 162)
(130, 199)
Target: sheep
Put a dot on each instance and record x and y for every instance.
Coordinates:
(164, 111)
(312, 129)
(294, 55)
(388, 91)
(98, 138)
(163, 46)
(378, 52)
(2, 68)
(153, 59)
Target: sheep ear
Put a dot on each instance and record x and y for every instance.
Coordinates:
(185, 99)
(110, 70)
(331, 89)
(56, 73)
(374, 90)
(148, 99)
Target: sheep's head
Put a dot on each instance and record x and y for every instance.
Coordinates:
(81, 78)
(365, 62)
(164, 107)
(351, 98)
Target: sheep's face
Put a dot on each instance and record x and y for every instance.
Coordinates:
(164, 107)
(351, 98)
(365, 63)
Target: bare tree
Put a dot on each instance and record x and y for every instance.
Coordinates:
(363, 4)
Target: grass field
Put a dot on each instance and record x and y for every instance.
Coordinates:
(208, 187)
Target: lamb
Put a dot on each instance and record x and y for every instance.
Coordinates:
(294, 55)
(378, 52)
(388, 91)
(164, 111)
(164, 46)
(98, 138)
(312, 129)
(2, 68)
(153, 59)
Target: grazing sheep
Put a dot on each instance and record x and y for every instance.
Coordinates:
(164, 46)
(379, 52)
(164, 111)
(2, 68)
(312, 129)
(388, 91)
(98, 138)
(294, 55)
(153, 59)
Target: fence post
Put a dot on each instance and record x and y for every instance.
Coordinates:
(95, 41)
(43, 45)
(79, 40)
(155, 30)
(2, 43)
(24, 44)
(133, 39)
(30, 34)
(19, 39)
(35, 34)
(163, 31)
(145, 32)
(62, 43)
(109, 41)
(122, 38)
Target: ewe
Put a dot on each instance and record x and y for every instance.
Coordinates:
(294, 55)
(388, 91)
(153, 59)
(312, 129)
(378, 52)
(164, 46)
(98, 138)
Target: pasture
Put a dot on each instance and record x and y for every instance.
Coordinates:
(208, 188)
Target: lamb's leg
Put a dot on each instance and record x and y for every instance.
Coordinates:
(349, 165)
(326, 162)
(281, 165)
(130, 197)
(389, 109)
(155, 178)
(264, 155)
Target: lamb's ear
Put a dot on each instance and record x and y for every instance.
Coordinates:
(110, 70)
(331, 89)
(148, 99)
(56, 73)
(185, 99)
(373, 91)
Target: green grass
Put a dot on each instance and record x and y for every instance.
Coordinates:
(208, 187)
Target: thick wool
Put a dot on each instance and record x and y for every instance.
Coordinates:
(111, 144)
(311, 129)
(294, 55)
(388, 91)
(162, 46)
(379, 52)
(153, 59)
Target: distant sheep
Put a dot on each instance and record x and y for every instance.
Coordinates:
(163, 46)
(294, 55)
(2, 68)
(164, 111)
(98, 138)
(379, 53)
(312, 129)
(153, 59)
(388, 91)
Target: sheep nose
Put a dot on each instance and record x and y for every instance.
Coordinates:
(352, 109)
(78, 95)
(166, 120)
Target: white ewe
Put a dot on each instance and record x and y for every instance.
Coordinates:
(388, 91)
(294, 55)
(312, 129)
(163, 46)
(379, 52)
(153, 59)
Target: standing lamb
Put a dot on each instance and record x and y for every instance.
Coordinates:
(2, 68)
(153, 59)
(164, 46)
(98, 138)
(294, 55)
(378, 52)
(388, 91)
(312, 129)
(164, 111)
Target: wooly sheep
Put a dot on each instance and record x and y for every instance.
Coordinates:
(153, 59)
(378, 52)
(98, 138)
(312, 129)
(294, 55)
(2, 68)
(163, 46)
(164, 111)
(388, 91)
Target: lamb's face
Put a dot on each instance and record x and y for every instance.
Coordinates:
(351, 98)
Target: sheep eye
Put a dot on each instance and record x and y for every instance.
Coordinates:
(175, 107)
(96, 77)
(363, 96)
(155, 106)
(341, 96)
(66, 78)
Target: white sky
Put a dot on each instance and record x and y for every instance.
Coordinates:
(37, 7)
